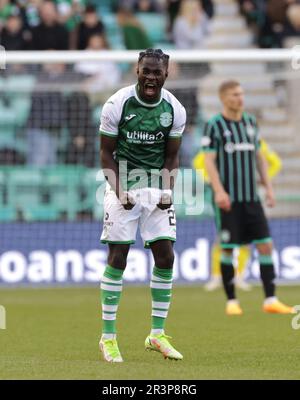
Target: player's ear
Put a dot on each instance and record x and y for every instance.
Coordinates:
(166, 73)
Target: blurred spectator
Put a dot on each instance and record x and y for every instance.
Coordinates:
(252, 10)
(49, 34)
(29, 9)
(81, 145)
(276, 10)
(191, 26)
(47, 116)
(273, 29)
(13, 35)
(292, 27)
(11, 157)
(90, 25)
(135, 36)
(6, 9)
(69, 12)
(102, 74)
(173, 7)
(146, 6)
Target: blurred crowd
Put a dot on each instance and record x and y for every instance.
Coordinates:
(68, 98)
(68, 24)
(273, 21)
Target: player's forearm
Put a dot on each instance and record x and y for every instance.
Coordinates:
(110, 170)
(262, 168)
(169, 172)
(213, 174)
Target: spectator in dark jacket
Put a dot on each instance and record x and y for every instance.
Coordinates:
(81, 147)
(49, 34)
(12, 36)
(90, 26)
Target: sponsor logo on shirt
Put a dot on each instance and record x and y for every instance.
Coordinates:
(232, 147)
(144, 137)
(250, 130)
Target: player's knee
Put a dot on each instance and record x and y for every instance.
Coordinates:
(227, 252)
(117, 260)
(165, 260)
(265, 248)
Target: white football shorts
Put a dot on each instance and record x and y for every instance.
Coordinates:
(120, 225)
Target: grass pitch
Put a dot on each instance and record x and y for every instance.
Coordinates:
(54, 333)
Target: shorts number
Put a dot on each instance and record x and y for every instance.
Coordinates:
(172, 219)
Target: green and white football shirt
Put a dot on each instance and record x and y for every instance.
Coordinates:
(236, 144)
(142, 131)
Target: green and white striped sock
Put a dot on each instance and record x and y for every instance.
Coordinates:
(111, 289)
(161, 289)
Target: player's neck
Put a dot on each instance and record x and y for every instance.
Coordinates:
(232, 115)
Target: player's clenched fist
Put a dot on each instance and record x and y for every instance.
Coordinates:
(127, 201)
(165, 201)
(222, 200)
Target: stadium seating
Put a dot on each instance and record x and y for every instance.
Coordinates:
(113, 31)
(155, 25)
(103, 6)
(2, 188)
(20, 107)
(41, 212)
(8, 214)
(93, 188)
(14, 109)
(50, 194)
(24, 187)
(63, 187)
(16, 84)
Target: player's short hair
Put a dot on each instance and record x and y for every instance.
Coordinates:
(155, 53)
(230, 84)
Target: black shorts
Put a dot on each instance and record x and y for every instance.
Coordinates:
(245, 223)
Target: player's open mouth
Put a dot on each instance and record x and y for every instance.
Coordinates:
(150, 89)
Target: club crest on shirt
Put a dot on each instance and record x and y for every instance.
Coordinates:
(225, 235)
(165, 119)
(250, 130)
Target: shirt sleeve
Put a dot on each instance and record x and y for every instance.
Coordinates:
(178, 123)
(109, 120)
(209, 140)
(257, 139)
